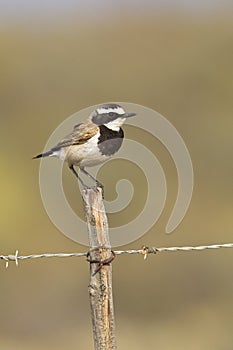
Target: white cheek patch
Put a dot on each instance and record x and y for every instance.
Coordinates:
(118, 110)
(115, 124)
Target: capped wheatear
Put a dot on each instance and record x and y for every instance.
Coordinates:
(93, 141)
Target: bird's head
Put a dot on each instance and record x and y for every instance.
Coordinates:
(110, 115)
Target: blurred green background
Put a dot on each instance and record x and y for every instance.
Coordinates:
(178, 61)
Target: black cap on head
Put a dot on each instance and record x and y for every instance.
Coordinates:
(109, 112)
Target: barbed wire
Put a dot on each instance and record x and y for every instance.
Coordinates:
(144, 251)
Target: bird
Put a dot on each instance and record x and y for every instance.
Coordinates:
(92, 142)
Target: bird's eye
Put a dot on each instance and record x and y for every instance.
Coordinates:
(112, 114)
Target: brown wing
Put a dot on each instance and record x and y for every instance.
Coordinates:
(80, 134)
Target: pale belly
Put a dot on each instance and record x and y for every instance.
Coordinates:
(84, 155)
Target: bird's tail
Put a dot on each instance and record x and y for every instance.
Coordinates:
(42, 155)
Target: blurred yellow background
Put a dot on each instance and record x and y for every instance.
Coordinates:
(176, 62)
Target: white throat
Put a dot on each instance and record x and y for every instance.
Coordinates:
(115, 124)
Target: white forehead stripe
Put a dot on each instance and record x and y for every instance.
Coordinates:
(117, 110)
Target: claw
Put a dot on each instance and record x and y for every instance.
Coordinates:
(100, 185)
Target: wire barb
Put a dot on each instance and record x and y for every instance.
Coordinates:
(144, 251)
(11, 257)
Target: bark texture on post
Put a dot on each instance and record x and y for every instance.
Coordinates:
(100, 287)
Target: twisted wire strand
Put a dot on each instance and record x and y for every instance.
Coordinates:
(144, 251)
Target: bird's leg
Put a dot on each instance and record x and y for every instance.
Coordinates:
(98, 184)
(78, 177)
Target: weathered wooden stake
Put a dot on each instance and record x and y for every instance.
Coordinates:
(100, 287)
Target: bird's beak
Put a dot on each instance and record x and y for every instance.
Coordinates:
(127, 115)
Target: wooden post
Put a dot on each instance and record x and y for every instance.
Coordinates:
(100, 287)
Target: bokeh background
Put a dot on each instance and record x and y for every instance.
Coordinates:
(58, 57)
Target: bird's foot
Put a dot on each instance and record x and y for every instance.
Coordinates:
(100, 185)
